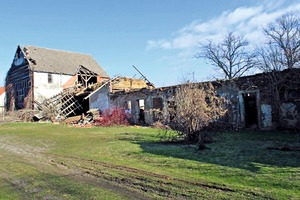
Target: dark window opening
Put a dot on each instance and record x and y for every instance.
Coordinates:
(50, 78)
(250, 110)
(158, 103)
(157, 108)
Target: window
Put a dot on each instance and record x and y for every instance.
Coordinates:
(141, 103)
(158, 103)
(128, 105)
(50, 78)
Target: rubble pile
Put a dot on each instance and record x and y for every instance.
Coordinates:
(83, 120)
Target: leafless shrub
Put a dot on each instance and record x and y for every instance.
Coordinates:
(197, 105)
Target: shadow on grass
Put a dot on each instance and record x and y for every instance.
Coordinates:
(244, 150)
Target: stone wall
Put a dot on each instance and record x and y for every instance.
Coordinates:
(254, 102)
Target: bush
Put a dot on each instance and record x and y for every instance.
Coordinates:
(196, 106)
(112, 117)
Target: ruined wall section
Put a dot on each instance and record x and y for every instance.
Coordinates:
(290, 100)
(256, 87)
(130, 101)
(100, 99)
(145, 106)
(277, 97)
(251, 102)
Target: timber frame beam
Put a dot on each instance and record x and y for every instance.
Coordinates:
(85, 74)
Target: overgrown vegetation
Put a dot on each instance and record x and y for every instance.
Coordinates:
(196, 106)
(45, 161)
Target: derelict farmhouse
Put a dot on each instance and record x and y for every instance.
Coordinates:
(70, 84)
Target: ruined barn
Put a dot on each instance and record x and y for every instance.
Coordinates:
(46, 77)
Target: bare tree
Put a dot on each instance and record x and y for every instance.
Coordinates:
(196, 106)
(283, 46)
(281, 51)
(230, 56)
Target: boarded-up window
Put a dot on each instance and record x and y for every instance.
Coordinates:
(158, 103)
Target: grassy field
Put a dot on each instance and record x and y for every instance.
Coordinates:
(45, 161)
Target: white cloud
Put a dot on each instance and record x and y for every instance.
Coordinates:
(164, 44)
(241, 14)
(246, 21)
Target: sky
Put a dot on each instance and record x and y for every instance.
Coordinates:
(159, 37)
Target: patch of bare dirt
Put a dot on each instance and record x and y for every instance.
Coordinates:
(46, 163)
(140, 180)
(26, 151)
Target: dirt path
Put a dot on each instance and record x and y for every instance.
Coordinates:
(45, 162)
(131, 183)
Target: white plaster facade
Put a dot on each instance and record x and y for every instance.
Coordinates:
(100, 99)
(45, 88)
(2, 99)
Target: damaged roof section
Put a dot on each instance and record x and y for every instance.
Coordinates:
(129, 84)
(60, 62)
(59, 106)
(65, 104)
(70, 101)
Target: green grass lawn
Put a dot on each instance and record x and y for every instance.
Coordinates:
(45, 161)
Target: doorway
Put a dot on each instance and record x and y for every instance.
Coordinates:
(251, 112)
(140, 111)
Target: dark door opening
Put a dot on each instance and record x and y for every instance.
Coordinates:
(140, 111)
(250, 110)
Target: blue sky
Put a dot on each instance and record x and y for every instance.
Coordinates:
(160, 37)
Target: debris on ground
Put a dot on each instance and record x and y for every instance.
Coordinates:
(83, 120)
